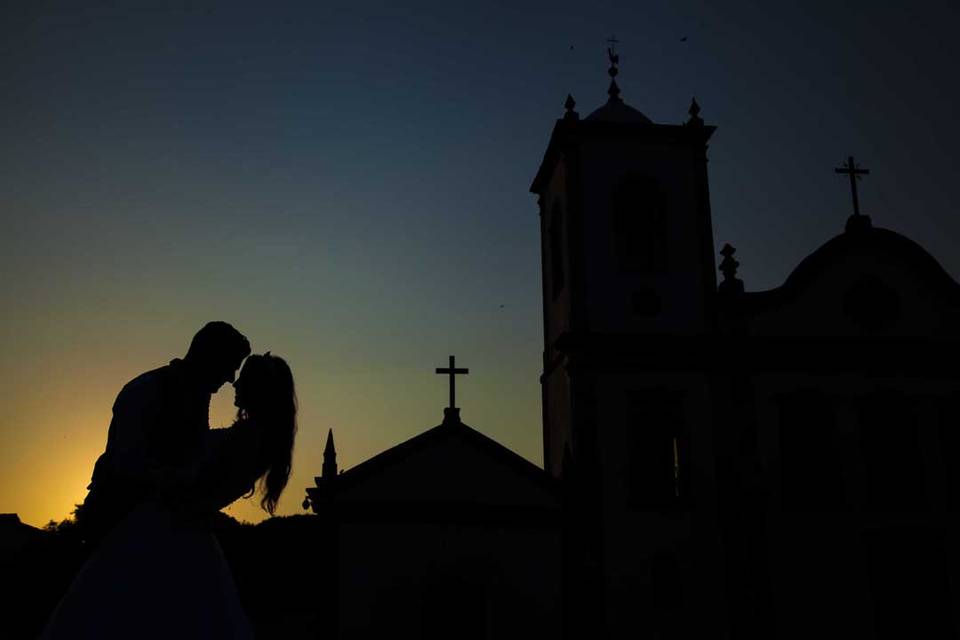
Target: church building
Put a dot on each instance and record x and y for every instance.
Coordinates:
(719, 462)
(448, 534)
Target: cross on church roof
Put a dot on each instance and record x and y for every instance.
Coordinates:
(851, 169)
(453, 371)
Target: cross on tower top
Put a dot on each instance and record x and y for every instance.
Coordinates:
(453, 371)
(851, 169)
(613, 91)
(612, 49)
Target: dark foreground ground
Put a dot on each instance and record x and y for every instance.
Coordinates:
(277, 566)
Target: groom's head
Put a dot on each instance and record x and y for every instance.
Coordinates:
(216, 353)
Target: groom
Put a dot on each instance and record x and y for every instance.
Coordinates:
(159, 420)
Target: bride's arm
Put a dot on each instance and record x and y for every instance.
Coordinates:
(227, 471)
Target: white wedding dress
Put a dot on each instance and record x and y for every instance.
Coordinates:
(160, 574)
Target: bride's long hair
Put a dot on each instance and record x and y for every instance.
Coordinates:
(272, 403)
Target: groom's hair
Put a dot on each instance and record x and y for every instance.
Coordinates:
(218, 341)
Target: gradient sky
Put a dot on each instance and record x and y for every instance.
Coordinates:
(347, 183)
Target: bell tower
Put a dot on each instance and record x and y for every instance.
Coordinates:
(629, 304)
(626, 239)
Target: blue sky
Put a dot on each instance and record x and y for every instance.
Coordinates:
(348, 184)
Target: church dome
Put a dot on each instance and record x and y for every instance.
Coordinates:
(616, 110)
(888, 246)
(883, 242)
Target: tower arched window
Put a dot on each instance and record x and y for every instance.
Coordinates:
(639, 224)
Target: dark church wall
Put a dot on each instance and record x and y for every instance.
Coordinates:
(439, 580)
(859, 531)
(818, 578)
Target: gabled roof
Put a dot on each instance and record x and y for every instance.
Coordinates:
(450, 463)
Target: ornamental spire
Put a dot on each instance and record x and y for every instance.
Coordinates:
(728, 266)
(329, 469)
(325, 489)
(694, 111)
(569, 104)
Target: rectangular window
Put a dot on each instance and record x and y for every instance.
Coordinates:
(657, 465)
(811, 469)
(890, 447)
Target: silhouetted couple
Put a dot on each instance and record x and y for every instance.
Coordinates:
(156, 570)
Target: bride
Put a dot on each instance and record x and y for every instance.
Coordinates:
(161, 573)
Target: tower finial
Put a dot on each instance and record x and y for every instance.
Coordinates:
(694, 111)
(569, 104)
(613, 91)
